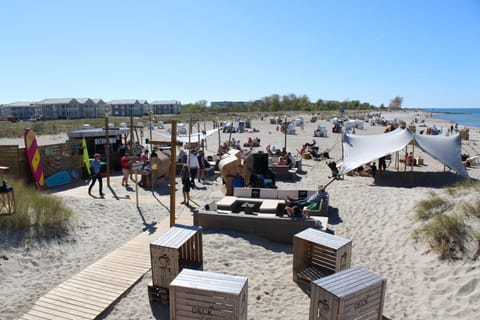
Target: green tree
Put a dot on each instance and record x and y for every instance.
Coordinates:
(395, 103)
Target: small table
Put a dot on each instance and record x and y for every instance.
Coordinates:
(248, 207)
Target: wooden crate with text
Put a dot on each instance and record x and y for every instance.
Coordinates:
(354, 293)
(207, 295)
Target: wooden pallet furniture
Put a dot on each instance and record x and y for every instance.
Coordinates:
(267, 200)
(317, 254)
(180, 247)
(354, 293)
(283, 172)
(269, 226)
(207, 295)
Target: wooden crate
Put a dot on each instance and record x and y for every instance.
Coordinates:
(158, 294)
(317, 254)
(354, 293)
(207, 295)
(180, 247)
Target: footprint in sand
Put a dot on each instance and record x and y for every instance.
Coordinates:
(468, 288)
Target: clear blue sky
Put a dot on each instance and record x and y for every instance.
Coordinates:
(426, 51)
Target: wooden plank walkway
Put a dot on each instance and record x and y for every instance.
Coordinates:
(89, 293)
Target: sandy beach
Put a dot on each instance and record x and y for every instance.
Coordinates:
(378, 218)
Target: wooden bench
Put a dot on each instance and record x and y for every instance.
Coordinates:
(272, 227)
(317, 254)
(208, 295)
(180, 247)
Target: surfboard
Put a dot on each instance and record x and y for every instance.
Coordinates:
(58, 179)
(34, 158)
(86, 158)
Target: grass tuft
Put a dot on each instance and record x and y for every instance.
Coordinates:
(37, 215)
(445, 234)
(426, 209)
(472, 209)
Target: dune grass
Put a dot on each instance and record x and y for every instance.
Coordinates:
(428, 208)
(446, 235)
(38, 215)
(443, 218)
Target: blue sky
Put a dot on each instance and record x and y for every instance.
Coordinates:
(427, 52)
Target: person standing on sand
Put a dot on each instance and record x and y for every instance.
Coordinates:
(95, 166)
(185, 176)
(125, 163)
(374, 171)
(193, 165)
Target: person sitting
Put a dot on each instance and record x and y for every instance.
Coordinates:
(297, 205)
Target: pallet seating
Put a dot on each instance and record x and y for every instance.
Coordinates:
(269, 226)
(267, 200)
(318, 254)
(283, 172)
(354, 293)
(180, 247)
(208, 295)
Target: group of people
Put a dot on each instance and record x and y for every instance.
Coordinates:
(194, 166)
(125, 162)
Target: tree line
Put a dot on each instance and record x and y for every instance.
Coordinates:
(291, 102)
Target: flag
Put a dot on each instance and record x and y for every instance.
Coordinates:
(86, 158)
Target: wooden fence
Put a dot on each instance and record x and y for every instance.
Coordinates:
(55, 158)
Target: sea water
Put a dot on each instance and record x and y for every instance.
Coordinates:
(468, 117)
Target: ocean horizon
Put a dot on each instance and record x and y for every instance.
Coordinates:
(468, 117)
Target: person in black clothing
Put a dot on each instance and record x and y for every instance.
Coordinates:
(382, 164)
(95, 166)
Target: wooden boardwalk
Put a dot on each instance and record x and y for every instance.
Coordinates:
(89, 293)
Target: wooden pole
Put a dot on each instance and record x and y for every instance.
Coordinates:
(413, 153)
(131, 134)
(107, 148)
(219, 139)
(173, 164)
(204, 143)
(136, 189)
(150, 125)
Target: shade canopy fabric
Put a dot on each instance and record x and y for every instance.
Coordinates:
(361, 149)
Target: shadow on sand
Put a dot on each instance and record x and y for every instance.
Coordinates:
(417, 179)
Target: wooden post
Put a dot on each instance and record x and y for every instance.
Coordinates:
(413, 153)
(173, 163)
(136, 189)
(107, 148)
(219, 139)
(130, 143)
(204, 143)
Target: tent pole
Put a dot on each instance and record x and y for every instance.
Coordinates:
(405, 159)
(397, 161)
(413, 153)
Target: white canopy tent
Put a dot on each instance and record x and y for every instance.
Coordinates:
(361, 149)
